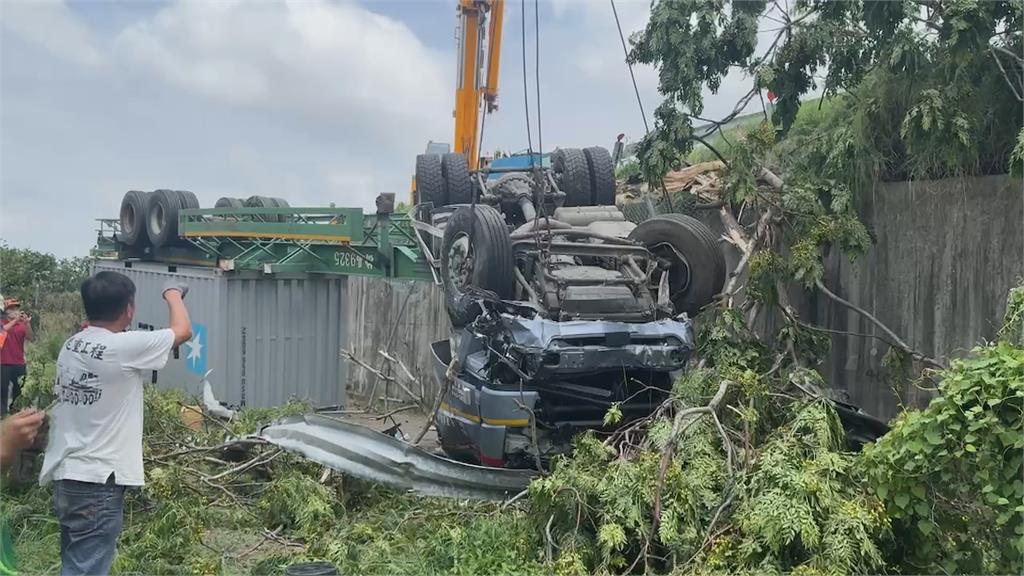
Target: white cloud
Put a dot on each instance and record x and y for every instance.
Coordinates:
(332, 62)
(51, 25)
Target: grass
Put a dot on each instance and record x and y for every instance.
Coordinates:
(178, 525)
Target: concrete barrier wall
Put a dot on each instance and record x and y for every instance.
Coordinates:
(946, 256)
(378, 322)
(947, 253)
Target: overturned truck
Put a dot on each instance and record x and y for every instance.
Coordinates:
(561, 309)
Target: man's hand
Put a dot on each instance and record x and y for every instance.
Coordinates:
(18, 432)
(178, 285)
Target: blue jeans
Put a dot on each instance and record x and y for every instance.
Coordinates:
(90, 516)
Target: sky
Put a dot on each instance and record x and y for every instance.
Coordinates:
(314, 101)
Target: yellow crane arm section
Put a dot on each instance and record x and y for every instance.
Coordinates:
(480, 33)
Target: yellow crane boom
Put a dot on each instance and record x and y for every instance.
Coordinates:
(480, 23)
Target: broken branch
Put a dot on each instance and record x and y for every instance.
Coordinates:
(898, 342)
(449, 377)
(677, 429)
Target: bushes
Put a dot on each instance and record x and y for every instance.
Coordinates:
(951, 475)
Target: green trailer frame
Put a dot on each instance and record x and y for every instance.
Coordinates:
(320, 240)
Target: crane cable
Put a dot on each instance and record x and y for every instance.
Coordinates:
(536, 70)
(526, 90)
(639, 101)
(625, 52)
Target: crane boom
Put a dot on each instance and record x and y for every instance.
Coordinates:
(479, 34)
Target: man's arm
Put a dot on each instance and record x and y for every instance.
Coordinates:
(17, 433)
(179, 321)
(9, 325)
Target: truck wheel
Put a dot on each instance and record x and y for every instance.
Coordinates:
(697, 271)
(458, 186)
(281, 203)
(133, 218)
(429, 180)
(188, 200)
(476, 256)
(227, 202)
(572, 175)
(602, 176)
(162, 217)
(262, 202)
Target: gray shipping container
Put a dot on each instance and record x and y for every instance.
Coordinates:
(266, 338)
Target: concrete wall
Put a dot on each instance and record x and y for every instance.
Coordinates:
(375, 311)
(947, 253)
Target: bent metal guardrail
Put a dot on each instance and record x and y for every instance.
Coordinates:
(357, 450)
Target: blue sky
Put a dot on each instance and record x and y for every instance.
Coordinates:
(315, 101)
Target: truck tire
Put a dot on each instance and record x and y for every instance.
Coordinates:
(430, 181)
(133, 218)
(476, 253)
(458, 186)
(693, 282)
(262, 202)
(162, 217)
(281, 203)
(572, 175)
(188, 200)
(227, 202)
(602, 176)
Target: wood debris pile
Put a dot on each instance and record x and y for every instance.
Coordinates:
(703, 181)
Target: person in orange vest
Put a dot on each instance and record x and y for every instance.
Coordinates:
(17, 329)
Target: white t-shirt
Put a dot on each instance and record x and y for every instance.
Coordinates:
(96, 426)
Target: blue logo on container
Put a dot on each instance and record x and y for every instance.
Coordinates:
(197, 349)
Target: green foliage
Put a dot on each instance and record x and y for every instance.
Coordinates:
(793, 502)
(920, 98)
(819, 210)
(1017, 156)
(951, 475)
(628, 170)
(28, 274)
(300, 503)
(1012, 330)
(803, 506)
(388, 533)
(613, 415)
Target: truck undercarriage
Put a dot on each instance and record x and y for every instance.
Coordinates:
(561, 309)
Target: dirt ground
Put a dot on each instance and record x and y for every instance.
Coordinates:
(409, 421)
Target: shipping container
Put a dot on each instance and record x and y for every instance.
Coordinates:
(266, 338)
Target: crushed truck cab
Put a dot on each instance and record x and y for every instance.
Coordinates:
(508, 376)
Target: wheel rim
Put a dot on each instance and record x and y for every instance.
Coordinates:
(156, 218)
(460, 263)
(128, 218)
(678, 265)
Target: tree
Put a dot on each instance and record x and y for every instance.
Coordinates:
(759, 478)
(935, 86)
(29, 275)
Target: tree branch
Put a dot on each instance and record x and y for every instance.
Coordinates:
(1018, 90)
(677, 429)
(898, 342)
(712, 148)
(747, 247)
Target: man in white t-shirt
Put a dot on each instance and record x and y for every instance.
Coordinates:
(95, 437)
